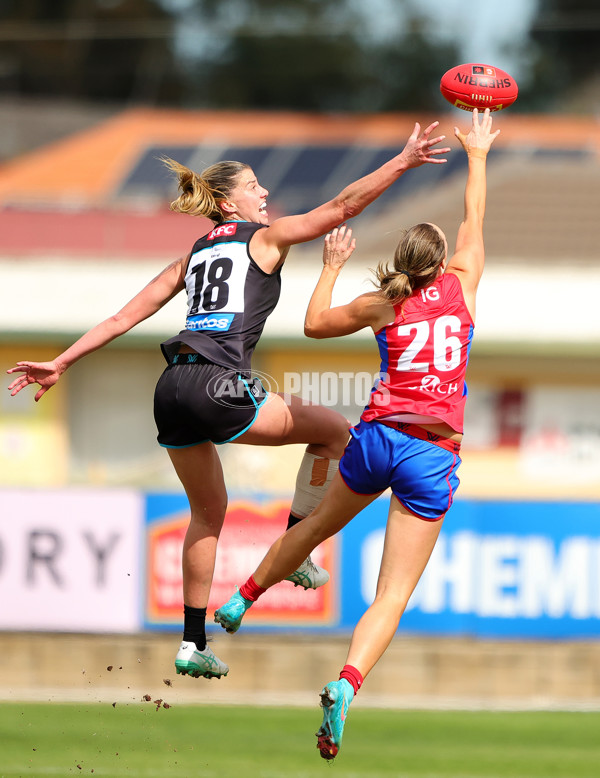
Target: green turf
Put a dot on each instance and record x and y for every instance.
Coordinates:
(51, 739)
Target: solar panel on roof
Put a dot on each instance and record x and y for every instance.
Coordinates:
(298, 177)
(254, 156)
(313, 175)
(313, 165)
(378, 157)
(151, 174)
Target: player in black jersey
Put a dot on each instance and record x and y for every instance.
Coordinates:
(207, 396)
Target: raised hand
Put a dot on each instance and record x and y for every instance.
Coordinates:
(480, 136)
(46, 374)
(420, 149)
(339, 245)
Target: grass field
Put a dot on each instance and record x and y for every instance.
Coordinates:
(51, 739)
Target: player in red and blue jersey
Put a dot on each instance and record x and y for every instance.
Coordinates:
(408, 438)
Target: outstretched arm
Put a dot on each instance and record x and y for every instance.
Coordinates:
(156, 294)
(321, 320)
(469, 255)
(289, 230)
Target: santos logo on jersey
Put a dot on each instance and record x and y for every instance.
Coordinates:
(207, 321)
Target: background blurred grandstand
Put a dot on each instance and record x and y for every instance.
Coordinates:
(308, 92)
(95, 226)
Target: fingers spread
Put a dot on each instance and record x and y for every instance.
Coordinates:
(429, 129)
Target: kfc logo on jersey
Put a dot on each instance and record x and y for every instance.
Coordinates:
(431, 383)
(222, 231)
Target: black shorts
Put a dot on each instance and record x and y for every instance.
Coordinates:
(196, 401)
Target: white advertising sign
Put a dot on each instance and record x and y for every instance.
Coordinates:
(562, 435)
(70, 560)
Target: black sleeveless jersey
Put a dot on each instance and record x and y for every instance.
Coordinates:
(229, 298)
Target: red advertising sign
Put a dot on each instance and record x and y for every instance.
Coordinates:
(249, 530)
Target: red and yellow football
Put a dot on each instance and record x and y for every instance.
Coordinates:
(478, 86)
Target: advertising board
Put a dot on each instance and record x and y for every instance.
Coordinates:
(70, 560)
(499, 569)
(249, 530)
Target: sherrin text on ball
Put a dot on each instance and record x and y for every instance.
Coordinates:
(476, 85)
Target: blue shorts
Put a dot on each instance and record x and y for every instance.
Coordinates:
(421, 475)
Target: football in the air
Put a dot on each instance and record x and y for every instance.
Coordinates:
(478, 86)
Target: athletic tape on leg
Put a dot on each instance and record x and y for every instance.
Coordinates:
(314, 476)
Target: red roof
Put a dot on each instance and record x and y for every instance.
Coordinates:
(86, 169)
(99, 233)
(62, 198)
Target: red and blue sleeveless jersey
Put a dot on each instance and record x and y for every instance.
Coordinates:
(424, 354)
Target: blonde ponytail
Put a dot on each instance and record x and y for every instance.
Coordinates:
(202, 195)
(396, 285)
(416, 264)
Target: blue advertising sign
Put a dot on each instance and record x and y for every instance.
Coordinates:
(499, 569)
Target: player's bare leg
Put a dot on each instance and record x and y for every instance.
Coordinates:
(336, 509)
(409, 542)
(288, 419)
(208, 502)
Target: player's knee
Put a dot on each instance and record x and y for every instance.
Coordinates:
(210, 512)
(394, 599)
(343, 430)
(338, 436)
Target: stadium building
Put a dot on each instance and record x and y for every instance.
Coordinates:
(84, 224)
